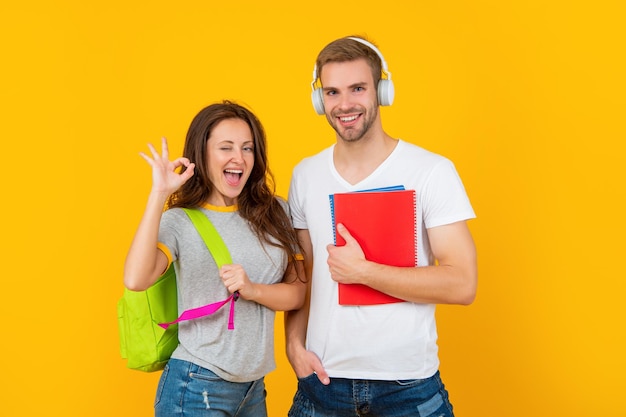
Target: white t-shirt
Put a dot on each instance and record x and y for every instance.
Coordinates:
(389, 341)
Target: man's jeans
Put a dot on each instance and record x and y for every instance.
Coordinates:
(350, 398)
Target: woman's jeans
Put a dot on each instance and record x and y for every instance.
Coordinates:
(352, 397)
(189, 390)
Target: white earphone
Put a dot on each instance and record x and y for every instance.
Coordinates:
(386, 90)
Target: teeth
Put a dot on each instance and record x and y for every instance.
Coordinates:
(348, 119)
(234, 171)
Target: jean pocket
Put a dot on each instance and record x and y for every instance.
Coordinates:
(311, 387)
(210, 376)
(411, 382)
(161, 385)
(308, 377)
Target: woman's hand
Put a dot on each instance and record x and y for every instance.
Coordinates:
(165, 178)
(235, 278)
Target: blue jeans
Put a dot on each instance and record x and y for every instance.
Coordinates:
(356, 397)
(189, 390)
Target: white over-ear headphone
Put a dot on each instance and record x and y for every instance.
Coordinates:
(386, 90)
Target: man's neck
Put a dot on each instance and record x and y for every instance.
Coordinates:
(355, 161)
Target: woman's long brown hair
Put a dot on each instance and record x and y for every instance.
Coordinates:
(257, 202)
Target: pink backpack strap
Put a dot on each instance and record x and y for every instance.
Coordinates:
(194, 313)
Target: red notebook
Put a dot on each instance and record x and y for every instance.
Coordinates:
(383, 222)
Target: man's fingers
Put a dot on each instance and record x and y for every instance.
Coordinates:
(322, 376)
(345, 234)
(319, 370)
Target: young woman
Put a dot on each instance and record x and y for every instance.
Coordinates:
(224, 173)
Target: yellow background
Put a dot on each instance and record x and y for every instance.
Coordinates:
(526, 97)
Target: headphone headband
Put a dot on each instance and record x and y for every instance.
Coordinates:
(375, 49)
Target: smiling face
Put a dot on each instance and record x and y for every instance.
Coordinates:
(230, 159)
(350, 98)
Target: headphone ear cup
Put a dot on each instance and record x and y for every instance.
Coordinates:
(318, 101)
(386, 92)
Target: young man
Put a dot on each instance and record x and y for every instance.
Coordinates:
(378, 360)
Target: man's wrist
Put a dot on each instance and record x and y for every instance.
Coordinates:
(294, 347)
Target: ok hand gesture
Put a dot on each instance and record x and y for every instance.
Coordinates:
(165, 179)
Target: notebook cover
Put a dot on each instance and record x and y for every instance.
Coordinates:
(383, 222)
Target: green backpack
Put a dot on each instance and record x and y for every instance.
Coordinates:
(147, 320)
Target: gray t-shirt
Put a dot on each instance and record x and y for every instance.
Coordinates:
(247, 352)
